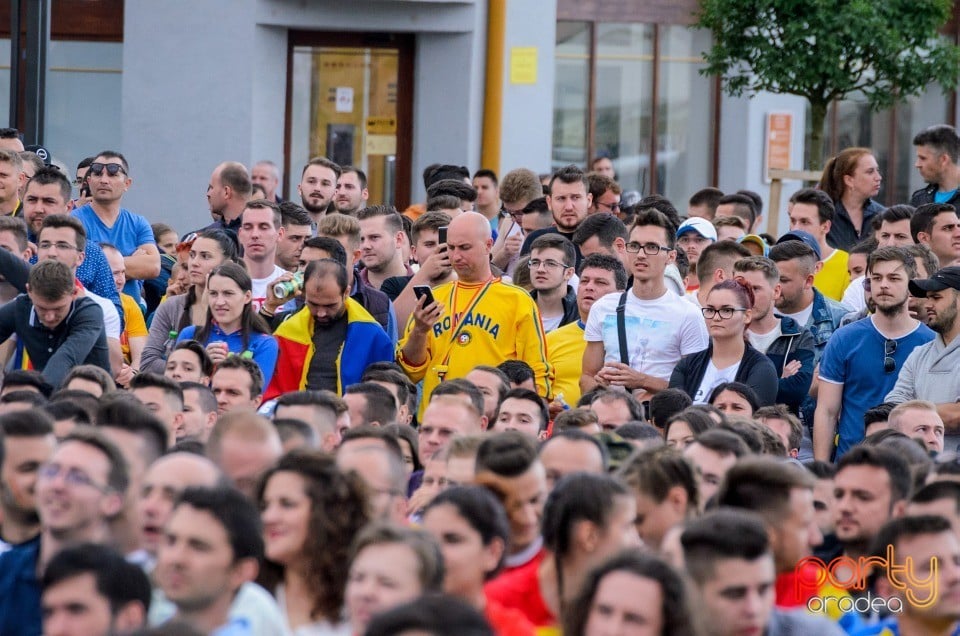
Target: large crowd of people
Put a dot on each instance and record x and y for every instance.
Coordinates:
(532, 404)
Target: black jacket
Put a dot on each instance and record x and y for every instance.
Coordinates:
(570, 311)
(78, 339)
(925, 195)
(756, 371)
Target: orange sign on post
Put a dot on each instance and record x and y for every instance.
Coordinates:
(779, 131)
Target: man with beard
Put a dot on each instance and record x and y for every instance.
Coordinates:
(331, 340)
(861, 361)
(318, 186)
(352, 193)
(929, 373)
(569, 200)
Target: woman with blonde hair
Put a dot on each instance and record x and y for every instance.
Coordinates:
(852, 179)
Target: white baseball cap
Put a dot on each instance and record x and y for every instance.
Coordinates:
(699, 225)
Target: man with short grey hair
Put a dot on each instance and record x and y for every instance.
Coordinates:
(266, 175)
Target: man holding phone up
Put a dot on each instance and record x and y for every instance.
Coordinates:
(430, 251)
(475, 320)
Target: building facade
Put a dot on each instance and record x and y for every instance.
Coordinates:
(394, 85)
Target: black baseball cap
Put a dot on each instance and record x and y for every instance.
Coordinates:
(41, 152)
(804, 237)
(944, 278)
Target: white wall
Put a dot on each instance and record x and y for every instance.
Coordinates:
(188, 86)
(527, 129)
(205, 82)
(742, 144)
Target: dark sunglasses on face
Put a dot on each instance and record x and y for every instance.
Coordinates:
(113, 169)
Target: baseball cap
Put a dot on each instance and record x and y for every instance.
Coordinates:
(702, 227)
(942, 279)
(805, 237)
(41, 152)
(757, 240)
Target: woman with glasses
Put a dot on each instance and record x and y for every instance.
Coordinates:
(311, 512)
(207, 250)
(729, 356)
(232, 327)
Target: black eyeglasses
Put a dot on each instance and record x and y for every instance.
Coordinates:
(613, 207)
(725, 313)
(113, 169)
(889, 348)
(650, 249)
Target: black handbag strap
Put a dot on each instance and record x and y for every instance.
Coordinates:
(622, 328)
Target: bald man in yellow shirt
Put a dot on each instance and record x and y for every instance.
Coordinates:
(477, 319)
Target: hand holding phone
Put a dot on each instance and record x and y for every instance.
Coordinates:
(424, 290)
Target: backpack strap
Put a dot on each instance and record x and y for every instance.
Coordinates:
(622, 328)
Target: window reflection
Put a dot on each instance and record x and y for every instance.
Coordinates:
(685, 115)
(571, 94)
(624, 105)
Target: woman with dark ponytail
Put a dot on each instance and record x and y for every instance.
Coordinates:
(852, 179)
(729, 357)
(208, 249)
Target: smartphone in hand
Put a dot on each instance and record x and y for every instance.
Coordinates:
(424, 290)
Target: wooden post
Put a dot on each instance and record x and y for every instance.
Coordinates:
(777, 177)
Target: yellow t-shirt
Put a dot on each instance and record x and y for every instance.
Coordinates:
(482, 323)
(133, 324)
(832, 279)
(565, 348)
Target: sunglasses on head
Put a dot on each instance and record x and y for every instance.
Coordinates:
(113, 169)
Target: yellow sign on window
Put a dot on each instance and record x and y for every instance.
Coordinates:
(523, 65)
(381, 125)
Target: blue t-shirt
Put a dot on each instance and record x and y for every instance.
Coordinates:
(888, 627)
(263, 346)
(944, 197)
(128, 233)
(854, 357)
(20, 590)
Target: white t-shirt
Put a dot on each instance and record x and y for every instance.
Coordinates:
(659, 332)
(260, 286)
(801, 317)
(549, 324)
(712, 378)
(111, 317)
(762, 341)
(853, 296)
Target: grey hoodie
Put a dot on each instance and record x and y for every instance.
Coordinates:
(932, 373)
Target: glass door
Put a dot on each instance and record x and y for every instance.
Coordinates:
(350, 104)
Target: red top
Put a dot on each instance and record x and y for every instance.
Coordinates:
(507, 621)
(520, 589)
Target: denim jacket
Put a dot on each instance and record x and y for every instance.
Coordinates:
(794, 343)
(825, 319)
